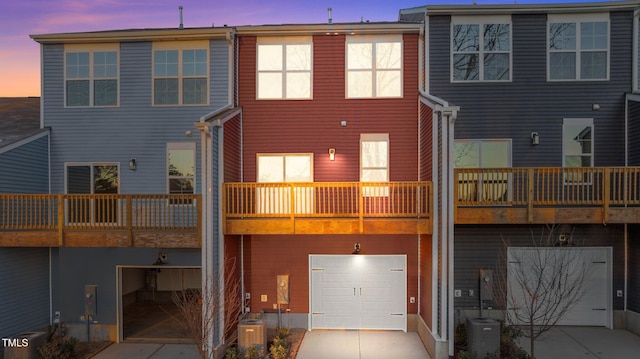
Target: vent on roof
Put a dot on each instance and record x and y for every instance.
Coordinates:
(180, 10)
(330, 16)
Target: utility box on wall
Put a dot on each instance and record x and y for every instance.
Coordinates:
(90, 301)
(486, 284)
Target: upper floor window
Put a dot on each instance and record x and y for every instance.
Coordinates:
(181, 73)
(91, 75)
(578, 47)
(374, 66)
(284, 68)
(181, 167)
(480, 49)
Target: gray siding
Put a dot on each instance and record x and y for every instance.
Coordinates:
(633, 134)
(76, 267)
(530, 103)
(25, 169)
(633, 286)
(133, 129)
(24, 297)
(482, 247)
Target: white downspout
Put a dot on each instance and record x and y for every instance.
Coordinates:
(449, 116)
(221, 258)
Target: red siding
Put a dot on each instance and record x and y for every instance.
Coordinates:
(232, 150)
(426, 142)
(276, 255)
(426, 279)
(294, 126)
(233, 273)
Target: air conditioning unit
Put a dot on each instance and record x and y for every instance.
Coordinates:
(25, 345)
(253, 333)
(483, 336)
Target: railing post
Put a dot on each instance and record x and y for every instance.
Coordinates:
(292, 203)
(60, 220)
(361, 206)
(530, 187)
(129, 218)
(606, 193)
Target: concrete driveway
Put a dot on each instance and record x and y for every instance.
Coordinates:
(586, 342)
(358, 344)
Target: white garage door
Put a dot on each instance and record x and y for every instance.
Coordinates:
(358, 292)
(594, 307)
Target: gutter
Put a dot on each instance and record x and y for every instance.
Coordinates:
(450, 115)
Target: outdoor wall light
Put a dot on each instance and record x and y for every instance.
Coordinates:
(332, 154)
(132, 164)
(535, 138)
(356, 248)
(595, 107)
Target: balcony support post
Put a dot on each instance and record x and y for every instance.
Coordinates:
(129, 219)
(60, 220)
(530, 187)
(361, 206)
(606, 194)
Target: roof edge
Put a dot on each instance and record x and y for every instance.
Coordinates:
(134, 35)
(583, 7)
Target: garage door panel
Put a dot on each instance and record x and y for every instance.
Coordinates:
(594, 307)
(358, 292)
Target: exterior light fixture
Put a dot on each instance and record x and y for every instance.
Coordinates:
(332, 154)
(595, 107)
(132, 164)
(356, 248)
(535, 138)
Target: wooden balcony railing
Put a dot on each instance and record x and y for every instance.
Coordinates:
(614, 193)
(119, 219)
(311, 205)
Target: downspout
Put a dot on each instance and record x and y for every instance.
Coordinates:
(449, 115)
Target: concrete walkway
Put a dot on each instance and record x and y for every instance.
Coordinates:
(149, 351)
(354, 344)
(586, 342)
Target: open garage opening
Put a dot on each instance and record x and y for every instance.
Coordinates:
(147, 307)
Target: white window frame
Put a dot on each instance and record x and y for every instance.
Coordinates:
(189, 146)
(577, 179)
(374, 40)
(475, 186)
(180, 47)
(275, 200)
(284, 42)
(374, 191)
(92, 214)
(578, 20)
(481, 22)
(92, 78)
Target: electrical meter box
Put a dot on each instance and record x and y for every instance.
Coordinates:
(90, 301)
(486, 284)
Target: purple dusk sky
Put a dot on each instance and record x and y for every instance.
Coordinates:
(20, 56)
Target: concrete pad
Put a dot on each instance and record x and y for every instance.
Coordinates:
(585, 342)
(387, 344)
(175, 351)
(128, 350)
(353, 344)
(337, 344)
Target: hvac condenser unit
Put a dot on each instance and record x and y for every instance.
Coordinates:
(483, 336)
(253, 333)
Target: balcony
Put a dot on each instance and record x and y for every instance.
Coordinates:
(78, 220)
(547, 195)
(328, 208)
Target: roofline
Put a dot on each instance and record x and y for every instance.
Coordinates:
(330, 29)
(23, 140)
(584, 7)
(201, 33)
